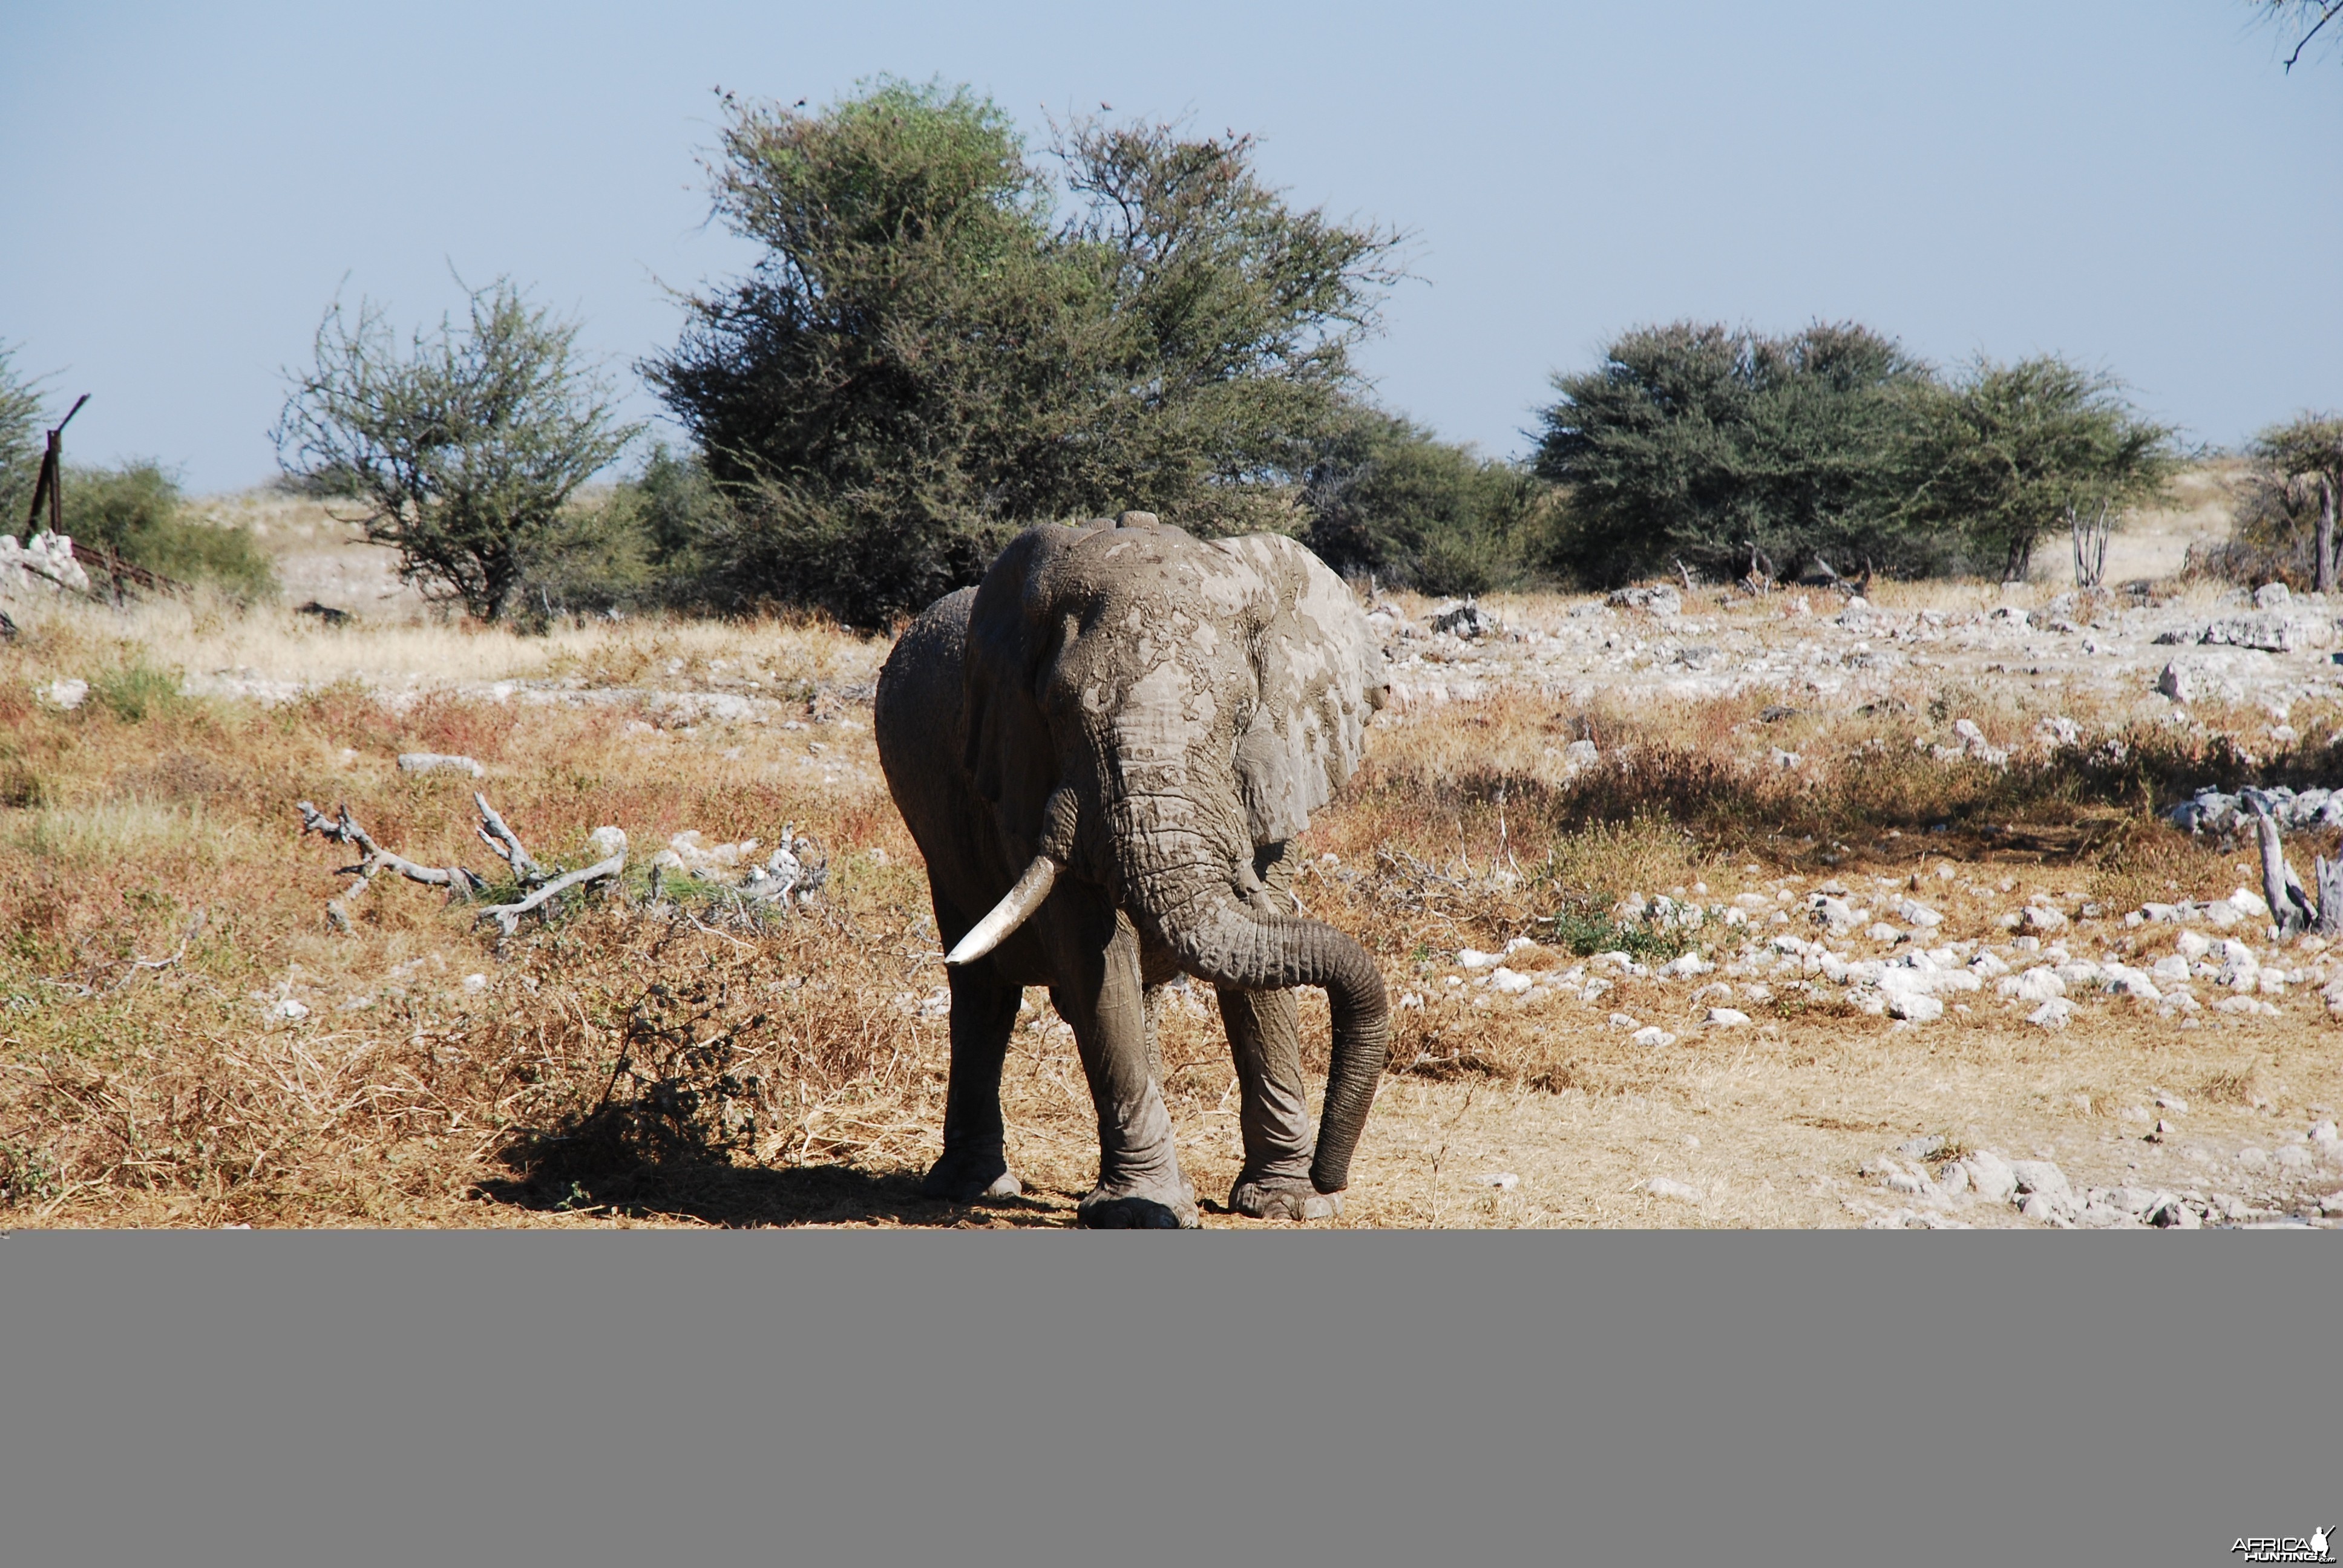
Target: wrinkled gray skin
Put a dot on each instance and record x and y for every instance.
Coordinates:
(1159, 715)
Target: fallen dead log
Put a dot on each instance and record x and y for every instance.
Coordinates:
(508, 916)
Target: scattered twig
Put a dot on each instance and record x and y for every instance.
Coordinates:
(508, 915)
(195, 928)
(506, 843)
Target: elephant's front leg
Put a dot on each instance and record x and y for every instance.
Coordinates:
(1265, 1038)
(1099, 992)
(1264, 1030)
(975, 1163)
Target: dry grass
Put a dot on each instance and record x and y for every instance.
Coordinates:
(632, 1063)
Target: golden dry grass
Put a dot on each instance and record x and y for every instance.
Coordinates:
(638, 1063)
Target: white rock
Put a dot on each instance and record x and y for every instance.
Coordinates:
(2042, 918)
(1653, 1035)
(1507, 982)
(2041, 983)
(2052, 1014)
(2246, 901)
(604, 842)
(2041, 1176)
(1620, 1020)
(437, 762)
(2193, 944)
(1726, 1016)
(289, 1010)
(1475, 959)
(2172, 1214)
(476, 982)
(2043, 1209)
(67, 694)
(1663, 1187)
(1991, 1176)
(1660, 599)
(1915, 1006)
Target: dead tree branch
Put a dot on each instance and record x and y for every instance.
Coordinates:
(2290, 907)
(506, 843)
(342, 828)
(508, 915)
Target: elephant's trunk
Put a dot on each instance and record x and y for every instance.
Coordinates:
(1191, 906)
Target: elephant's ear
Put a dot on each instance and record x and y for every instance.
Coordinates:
(1321, 678)
(1010, 757)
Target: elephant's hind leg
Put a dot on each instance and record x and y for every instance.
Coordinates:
(975, 1163)
(1265, 1038)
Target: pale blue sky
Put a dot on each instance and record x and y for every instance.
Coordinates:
(2134, 184)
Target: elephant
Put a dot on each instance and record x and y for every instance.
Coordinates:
(1102, 750)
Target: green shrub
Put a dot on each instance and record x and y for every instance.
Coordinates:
(136, 692)
(1586, 930)
(137, 511)
(1387, 497)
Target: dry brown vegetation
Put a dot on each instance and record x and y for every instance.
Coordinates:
(673, 1060)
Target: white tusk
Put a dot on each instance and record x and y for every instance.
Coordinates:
(1007, 914)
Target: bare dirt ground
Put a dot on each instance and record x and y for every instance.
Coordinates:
(1730, 910)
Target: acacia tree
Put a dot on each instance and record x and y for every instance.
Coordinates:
(2007, 453)
(1700, 444)
(2286, 503)
(464, 449)
(942, 342)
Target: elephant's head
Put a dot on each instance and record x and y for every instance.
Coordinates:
(1144, 708)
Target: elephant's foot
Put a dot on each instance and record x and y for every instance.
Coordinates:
(970, 1176)
(1282, 1198)
(1131, 1207)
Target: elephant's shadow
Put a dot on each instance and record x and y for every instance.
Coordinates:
(747, 1196)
